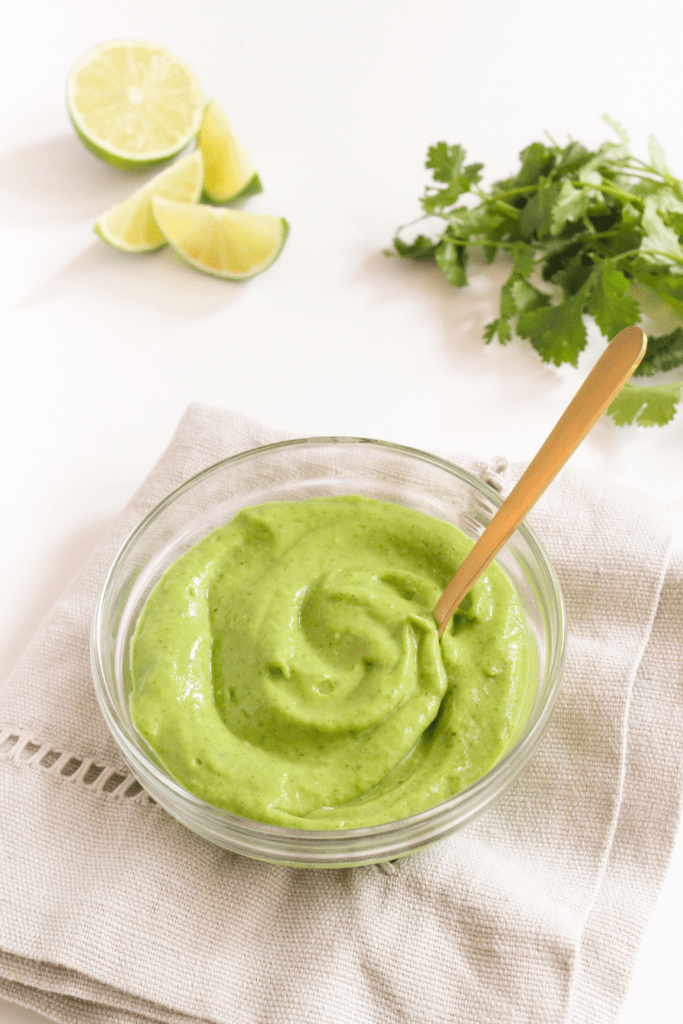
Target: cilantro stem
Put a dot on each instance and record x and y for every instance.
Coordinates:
(612, 190)
(495, 197)
(481, 244)
(409, 223)
(623, 168)
(668, 178)
(671, 257)
(645, 174)
(512, 210)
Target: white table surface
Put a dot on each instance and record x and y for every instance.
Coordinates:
(337, 103)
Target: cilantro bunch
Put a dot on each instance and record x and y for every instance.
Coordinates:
(592, 223)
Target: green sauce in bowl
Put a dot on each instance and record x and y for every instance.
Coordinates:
(287, 667)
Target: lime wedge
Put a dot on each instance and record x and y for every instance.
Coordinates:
(134, 104)
(131, 225)
(231, 244)
(229, 171)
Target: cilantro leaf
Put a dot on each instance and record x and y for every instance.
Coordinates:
(657, 158)
(445, 161)
(557, 332)
(446, 164)
(667, 286)
(593, 222)
(422, 248)
(479, 222)
(536, 217)
(668, 201)
(516, 296)
(523, 259)
(572, 159)
(576, 268)
(616, 127)
(452, 260)
(663, 353)
(610, 306)
(508, 305)
(589, 175)
(537, 160)
(649, 406)
(526, 296)
(571, 204)
(500, 327)
(660, 242)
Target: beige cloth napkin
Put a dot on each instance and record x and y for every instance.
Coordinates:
(110, 911)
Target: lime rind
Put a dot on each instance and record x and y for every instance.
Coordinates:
(130, 226)
(232, 245)
(133, 104)
(136, 105)
(229, 170)
(252, 188)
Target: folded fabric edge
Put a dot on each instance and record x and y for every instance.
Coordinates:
(647, 822)
(71, 1009)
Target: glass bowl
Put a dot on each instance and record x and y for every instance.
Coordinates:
(295, 470)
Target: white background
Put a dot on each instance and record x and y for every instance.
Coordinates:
(337, 104)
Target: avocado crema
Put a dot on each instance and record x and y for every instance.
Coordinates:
(287, 667)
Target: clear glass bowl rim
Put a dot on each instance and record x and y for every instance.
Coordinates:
(333, 848)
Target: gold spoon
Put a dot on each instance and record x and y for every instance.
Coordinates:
(601, 386)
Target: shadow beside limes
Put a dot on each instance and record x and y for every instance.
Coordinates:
(58, 180)
(160, 280)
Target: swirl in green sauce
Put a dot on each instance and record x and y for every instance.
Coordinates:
(287, 668)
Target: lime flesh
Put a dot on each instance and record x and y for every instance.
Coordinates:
(131, 226)
(134, 104)
(231, 244)
(230, 173)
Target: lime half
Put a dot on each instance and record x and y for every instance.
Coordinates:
(134, 104)
(131, 225)
(231, 244)
(229, 171)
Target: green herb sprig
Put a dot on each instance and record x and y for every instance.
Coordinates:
(593, 222)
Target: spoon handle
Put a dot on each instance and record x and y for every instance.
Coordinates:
(601, 386)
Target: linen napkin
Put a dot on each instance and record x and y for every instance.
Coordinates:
(111, 912)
